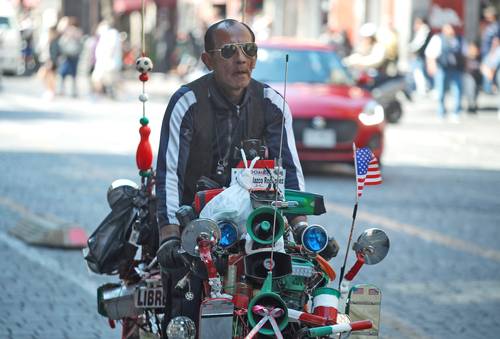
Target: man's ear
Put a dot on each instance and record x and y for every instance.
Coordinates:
(207, 60)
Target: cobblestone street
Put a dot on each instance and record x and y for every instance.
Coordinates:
(438, 204)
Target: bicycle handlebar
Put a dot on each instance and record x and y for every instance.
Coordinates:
(339, 328)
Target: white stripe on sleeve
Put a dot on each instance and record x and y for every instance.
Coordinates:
(172, 154)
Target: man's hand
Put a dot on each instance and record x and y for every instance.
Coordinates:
(331, 249)
(169, 231)
(168, 254)
(170, 243)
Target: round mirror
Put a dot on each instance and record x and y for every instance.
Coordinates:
(373, 244)
(206, 228)
(120, 189)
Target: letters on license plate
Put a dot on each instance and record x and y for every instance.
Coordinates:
(319, 138)
(261, 179)
(149, 297)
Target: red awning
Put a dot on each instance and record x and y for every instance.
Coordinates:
(122, 6)
(125, 6)
(27, 3)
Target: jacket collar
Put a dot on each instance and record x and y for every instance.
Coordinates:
(220, 101)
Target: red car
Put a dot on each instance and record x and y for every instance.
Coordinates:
(330, 112)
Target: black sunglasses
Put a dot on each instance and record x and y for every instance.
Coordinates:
(228, 50)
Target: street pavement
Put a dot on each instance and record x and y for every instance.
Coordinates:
(439, 205)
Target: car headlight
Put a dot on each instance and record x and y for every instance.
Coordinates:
(372, 114)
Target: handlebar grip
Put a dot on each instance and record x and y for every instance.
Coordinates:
(355, 269)
(361, 325)
(339, 328)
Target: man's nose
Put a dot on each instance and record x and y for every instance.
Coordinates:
(240, 55)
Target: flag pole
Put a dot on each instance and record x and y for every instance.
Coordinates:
(354, 212)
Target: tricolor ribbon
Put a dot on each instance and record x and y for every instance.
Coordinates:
(267, 314)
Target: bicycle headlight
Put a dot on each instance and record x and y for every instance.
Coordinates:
(314, 238)
(229, 233)
(372, 114)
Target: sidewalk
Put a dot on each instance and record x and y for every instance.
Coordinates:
(425, 108)
(441, 143)
(159, 87)
(86, 123)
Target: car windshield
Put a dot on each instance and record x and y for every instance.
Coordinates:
(310, 66)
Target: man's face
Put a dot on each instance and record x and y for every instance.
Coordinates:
(232, 74)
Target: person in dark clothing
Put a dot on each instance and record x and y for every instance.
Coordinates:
(421, 38)
(472, 76)
(204, 123)
(70, 46)
(49, 68)
(445, 60)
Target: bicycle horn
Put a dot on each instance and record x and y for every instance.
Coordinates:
(260, 222)
(267, 312)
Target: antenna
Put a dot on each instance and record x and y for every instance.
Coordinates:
(278, 167)
(244, 10)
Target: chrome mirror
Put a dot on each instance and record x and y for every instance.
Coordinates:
(373, 245)
(197, 230)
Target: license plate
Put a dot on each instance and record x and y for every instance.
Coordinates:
(261, 179)
(145, 297)
(319, 138)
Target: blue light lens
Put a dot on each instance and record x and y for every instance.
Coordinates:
(314, 238)
(229, 234)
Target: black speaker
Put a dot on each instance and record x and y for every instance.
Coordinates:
(257, 265)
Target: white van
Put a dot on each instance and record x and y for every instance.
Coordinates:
(11, 57)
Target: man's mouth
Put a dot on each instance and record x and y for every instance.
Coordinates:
(242, 72)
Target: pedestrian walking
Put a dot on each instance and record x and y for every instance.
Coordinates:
(421, 36)
(490, 68)
(472, 76)
(70, 46)
(489, 34)
(108, 59)
(445, 61)
(48, 71)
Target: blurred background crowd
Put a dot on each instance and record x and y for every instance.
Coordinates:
(435, 44)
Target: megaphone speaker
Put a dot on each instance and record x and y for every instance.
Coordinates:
(258, 264)
(267, 302)
(260, 225)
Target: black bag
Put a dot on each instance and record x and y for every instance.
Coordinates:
(108, 246)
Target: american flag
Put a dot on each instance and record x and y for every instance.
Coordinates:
(367, 169)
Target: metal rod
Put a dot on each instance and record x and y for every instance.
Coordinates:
(354, 212)
(279, 164)
(244, 11)
(342, 270)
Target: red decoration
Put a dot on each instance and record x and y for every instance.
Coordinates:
(144, 154)
(143, 77)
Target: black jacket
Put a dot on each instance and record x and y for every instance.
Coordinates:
(201, 126)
